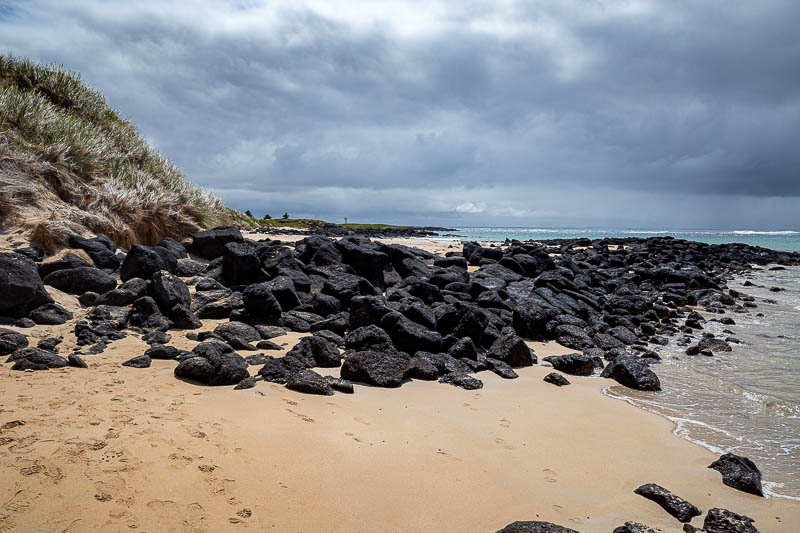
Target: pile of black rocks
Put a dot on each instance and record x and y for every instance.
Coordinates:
(398, 312)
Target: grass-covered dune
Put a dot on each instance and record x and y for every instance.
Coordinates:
(69, 164)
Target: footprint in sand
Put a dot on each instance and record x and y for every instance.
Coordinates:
(302, 416)
(353, 436)
(503, 443)
(361, 421)
(12, 424)
(290, 402)
(505, 422)
(448, 455)
(549, 475)
(470, 407)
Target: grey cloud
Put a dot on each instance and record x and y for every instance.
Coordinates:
(522, 115)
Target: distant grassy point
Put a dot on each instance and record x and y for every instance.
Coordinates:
(70, 164)
(312, 225)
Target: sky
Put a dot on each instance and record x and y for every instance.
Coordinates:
(571, 113)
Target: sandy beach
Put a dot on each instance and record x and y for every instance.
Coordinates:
(113, 448)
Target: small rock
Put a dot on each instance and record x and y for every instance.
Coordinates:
(141, 361)
(556, 379)
(674, 505)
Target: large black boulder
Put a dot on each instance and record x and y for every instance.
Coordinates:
(535, 527)
(144, 261)
(20, 286)
(369, 337)
(280, 369)
(739, 472)
(529, 320)
(309, 382)
(80, 280)
(724, 521)
(32, 358)
(344, 287)
(409, 336)
(168, 291)
(367, 263)
(283, 289)
(241, 264)
(260, 303)
(11, 341)
(674, 505)
(575, 364)
(125, 294)
(210, 244)
(633, 373)
(316, 351)
(68, 261)
(238, 335)
(176, 248)
(384, 369)
(100, 249)
(51, 314)
(366, 310)
(213, 368)
(512, 350)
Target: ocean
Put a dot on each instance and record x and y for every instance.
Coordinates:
(746, 401)
(786, 240)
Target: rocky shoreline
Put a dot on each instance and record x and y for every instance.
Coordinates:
(398, 313)
(336, 230)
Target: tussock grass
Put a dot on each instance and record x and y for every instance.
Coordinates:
(70, 164)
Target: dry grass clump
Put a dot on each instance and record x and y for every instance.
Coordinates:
(70, 164)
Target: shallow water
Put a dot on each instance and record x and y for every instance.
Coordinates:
(746, 401)
(786, 240)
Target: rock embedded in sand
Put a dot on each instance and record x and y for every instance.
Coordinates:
(462, 380)
(633, 373)
(634, 527)
(309, 382)
(739, 472)
(141, 361)
(20, 285)
(535, 527)
(317, 351)
(512, 350)
(11, 341)
(384, 368)
(75, 361)
(574, 363)
(36, 359)
(80, 280)
(724, 521)
(51, 314)
(674, 505)
(556, 379)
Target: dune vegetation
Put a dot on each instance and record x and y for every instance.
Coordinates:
(70, 164)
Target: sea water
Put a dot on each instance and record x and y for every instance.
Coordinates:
(786, 240)
(746, 401)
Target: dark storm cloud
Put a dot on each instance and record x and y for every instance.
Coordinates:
(671, 113)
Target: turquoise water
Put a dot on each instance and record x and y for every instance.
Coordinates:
(786, 240)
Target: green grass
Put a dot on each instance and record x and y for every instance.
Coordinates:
(70, 164)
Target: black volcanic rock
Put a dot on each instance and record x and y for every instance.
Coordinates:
(724, 521)
(633, 373)
(20, 286)
(384, 369)
(513, 351)
(309, 382)
(316, 351)
(51, 314)
(575, 364)
(535, 527)
(80, 280)
(210, 244)
(144, 261)
(739, 472)
(556, 379)
(674, 505)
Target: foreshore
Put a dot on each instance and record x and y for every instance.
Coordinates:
(129, 449)
(115, 448)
